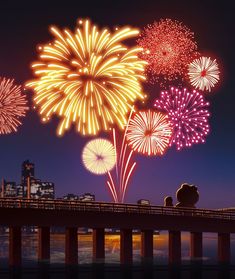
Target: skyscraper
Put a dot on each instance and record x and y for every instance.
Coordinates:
(27, 170)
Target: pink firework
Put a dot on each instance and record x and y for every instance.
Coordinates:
(188, 114)
(13, 106)
(203, 73)
(168, 47)
(149, 132)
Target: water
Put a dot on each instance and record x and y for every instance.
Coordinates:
(111, 268)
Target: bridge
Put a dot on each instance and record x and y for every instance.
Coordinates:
(16, 213)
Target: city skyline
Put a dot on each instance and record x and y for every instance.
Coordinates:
(28, 184)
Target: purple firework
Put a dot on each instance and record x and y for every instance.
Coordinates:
(188, 115)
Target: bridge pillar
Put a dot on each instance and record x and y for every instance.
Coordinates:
(174, 247)
(71, 246)
(14, 246)
(196, 246)
(126, 246)
(224, 248)
(147, 244)
(98, 243)
(43, 243)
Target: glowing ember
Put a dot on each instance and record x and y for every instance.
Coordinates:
(188, 114)
(203, 73)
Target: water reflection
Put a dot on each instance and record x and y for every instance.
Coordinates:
(111, 268)
(100, 271)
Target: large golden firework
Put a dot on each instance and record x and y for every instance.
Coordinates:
(88, 78)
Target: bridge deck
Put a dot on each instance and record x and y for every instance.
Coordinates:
(100, 214)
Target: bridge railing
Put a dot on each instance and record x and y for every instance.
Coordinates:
(57, 204)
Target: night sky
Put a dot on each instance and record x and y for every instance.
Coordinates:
(210, 166)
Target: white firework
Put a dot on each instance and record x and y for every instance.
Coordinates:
(203, 73)
(99, 156)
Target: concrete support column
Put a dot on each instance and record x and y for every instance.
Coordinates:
(71, 246)
(224, 248)
(43, 243)
(14, 246)
(147, 244)
(174, 247)
(98, 243)
(126, 246)
(196, 245)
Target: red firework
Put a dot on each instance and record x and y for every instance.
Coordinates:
(13, 105)
(188, 114)
(149, 132)
(168, 47)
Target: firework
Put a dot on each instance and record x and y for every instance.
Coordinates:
(124, 169)
(149, 132)
(188, 114)
(203, 73)
(88, 77)
(168, 47)
(13, 106)
(99, 156)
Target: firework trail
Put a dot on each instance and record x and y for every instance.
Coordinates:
(124, 168)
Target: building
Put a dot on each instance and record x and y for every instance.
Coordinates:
(38, 188)
(87, 197)
(47, 190)
(71, 197)
(27, 170)
(8, 189)
(20, 191)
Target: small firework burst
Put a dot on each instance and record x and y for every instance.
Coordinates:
(168, 47)
(99, 156)
(88, 78)
(203, 73)
(188, 114)
(13, 106)
(149, 132)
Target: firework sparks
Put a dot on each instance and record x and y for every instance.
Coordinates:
(168, 47)
(188, 114)
(203, 73)
(13, 106)
(88, 78)
(149, 132)
(99, 156)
